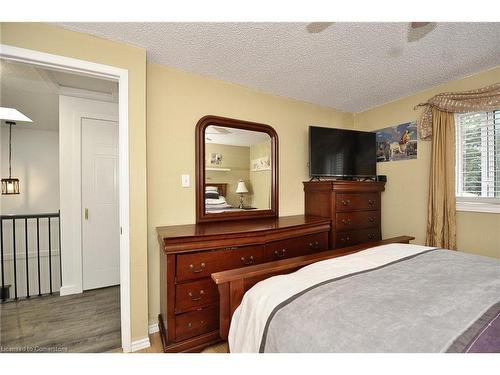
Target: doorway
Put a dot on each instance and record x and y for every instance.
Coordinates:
(69, 65)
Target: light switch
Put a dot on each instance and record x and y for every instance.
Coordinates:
(185, 180)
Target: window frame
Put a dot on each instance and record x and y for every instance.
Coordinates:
(474, 204)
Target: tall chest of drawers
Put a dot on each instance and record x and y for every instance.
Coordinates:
(353, 206)
(189, 299)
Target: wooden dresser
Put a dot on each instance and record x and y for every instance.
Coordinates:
(353, 206)
(189, 299)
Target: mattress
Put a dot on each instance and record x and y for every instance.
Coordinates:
(392, 298)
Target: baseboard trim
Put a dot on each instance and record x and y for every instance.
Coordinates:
(140, 344)
(70, 289)
(153, 328)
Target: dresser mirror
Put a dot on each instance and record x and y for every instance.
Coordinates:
(236, 170)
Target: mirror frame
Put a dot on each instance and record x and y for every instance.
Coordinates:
(203, 123)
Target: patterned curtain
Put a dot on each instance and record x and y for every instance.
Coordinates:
(441, 206)
(483, 99)
(438, 123)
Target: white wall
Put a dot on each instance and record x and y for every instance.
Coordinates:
(35, 161)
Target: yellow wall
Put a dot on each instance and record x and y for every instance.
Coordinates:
(260, 181)
(176, 101)
(237, 159)
(63, 42)
(404, 203)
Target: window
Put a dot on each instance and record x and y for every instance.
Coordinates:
(478, 161)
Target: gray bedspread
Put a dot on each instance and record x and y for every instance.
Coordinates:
(435, 301)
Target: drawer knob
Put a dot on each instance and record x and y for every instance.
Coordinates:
(196, 298)
(197, 270)
(371, 236)
(346, 202)
(279, 254)
(345, 239)
(232, 248)
(248, 261)
(371, 202)
(346, 221)
(190, 324)
(371, 219)
(314, 245)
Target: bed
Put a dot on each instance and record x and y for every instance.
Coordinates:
(389, 298)
(215, 198)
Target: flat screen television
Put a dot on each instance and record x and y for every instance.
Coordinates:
(341, 153)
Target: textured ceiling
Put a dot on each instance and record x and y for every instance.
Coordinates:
(348, 66)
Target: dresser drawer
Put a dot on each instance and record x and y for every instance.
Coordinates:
(357, 201)
(196, 323)
(201, 264)
(284, 249)
(356, 220)
(311, 243)
(358, 236)
(194, 294)
(294, 247)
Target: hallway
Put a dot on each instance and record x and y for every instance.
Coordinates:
(87, 322)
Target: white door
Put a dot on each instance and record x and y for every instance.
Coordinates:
(100, 224)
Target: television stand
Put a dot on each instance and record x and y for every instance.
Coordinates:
(315, 178)
(345, 178)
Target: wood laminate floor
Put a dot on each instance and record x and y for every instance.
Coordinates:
(156, 346)
(87, 322)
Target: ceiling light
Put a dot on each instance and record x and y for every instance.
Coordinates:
(10, 115)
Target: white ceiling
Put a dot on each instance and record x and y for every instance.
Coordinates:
(22, 87)
(348, 66)
(35, 92)
(234, 136)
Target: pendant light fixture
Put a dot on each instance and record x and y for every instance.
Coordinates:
(10, 115)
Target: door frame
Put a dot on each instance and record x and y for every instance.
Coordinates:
(120, 75)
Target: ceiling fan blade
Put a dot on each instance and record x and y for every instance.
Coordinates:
(416, 33)
(416, 25)
(317, 27)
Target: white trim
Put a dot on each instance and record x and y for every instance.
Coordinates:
(68, 64)
(125, 258)
(478, 207)
(87, 94)
(61, 63)
(66, 290)
(153, 328)
(140, 344)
